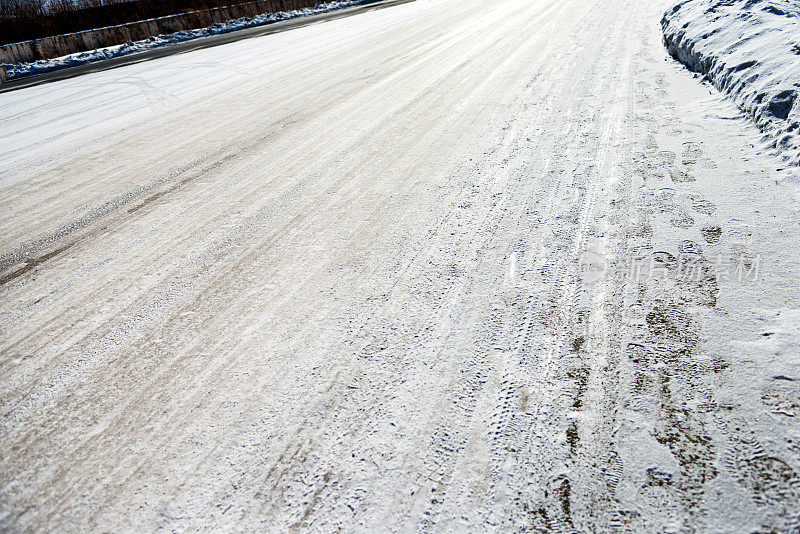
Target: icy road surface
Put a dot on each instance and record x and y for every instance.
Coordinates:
(453, 265)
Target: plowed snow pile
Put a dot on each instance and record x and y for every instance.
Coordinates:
(749, 49)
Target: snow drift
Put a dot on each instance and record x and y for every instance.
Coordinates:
(749, 49)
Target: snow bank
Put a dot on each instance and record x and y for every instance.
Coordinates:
(81, 58)
(749, 49)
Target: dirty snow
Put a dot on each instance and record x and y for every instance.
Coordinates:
(81, 58)
(749, 49)
(399, 272)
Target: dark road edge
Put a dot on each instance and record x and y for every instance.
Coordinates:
(194, 44)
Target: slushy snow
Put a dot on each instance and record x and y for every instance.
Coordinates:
(81, 58)
(749, 49)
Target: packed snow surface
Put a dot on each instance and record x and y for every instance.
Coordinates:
(81, 58)
(749, 49)
(448, 266)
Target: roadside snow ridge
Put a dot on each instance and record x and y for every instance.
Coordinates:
(81, 58)
(749, 49)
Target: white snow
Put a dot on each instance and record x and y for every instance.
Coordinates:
(749, 49)
(81, 58)
(335, 278)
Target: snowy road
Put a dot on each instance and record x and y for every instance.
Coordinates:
(451, 265)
